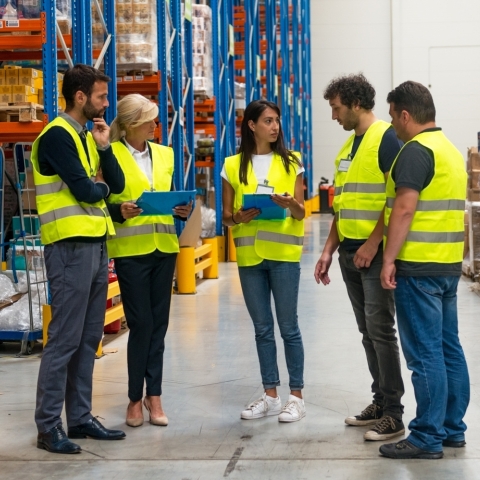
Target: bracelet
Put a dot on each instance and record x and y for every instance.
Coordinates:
(233, 220)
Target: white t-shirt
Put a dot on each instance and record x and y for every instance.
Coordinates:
(261, 167)
(143, 160)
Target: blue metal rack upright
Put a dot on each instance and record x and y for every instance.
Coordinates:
(271, 26)
(224, 93)
(173, 93)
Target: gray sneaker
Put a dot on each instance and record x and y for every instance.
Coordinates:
(371, 415)
(388, 427)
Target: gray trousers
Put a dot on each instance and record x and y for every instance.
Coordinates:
(78, 278)
(374, 311)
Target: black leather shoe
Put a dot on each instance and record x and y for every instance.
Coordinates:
(55, 440)
(405, 449)
(94, 429)
(452, 444)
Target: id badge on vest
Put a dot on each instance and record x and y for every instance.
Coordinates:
(344, 164)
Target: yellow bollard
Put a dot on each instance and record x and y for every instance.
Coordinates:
(212, 270)
(186, 270)
(232, 250)
(308, 208)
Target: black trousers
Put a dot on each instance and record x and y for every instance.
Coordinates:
(146, 289)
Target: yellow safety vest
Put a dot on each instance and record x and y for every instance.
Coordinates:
(61, 215)
(437, 231)
(360, 191)
(143, 234)
(265, 239)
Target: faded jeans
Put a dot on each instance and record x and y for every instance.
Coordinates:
(258, 284)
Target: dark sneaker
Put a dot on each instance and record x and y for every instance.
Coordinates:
(372, 414)
(405, 449)
(388, 427)
(454, 444)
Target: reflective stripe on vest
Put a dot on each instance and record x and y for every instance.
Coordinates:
(360, 191)
(145, 230)
(51, 188)
(348, 214)
(142, 235)
(434, 205)
(73, 210)
(437, 230)
(279, 238)
(265, 239)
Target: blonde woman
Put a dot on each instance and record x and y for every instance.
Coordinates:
(145, 250)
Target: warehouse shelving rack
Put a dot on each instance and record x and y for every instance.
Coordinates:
(278, 32)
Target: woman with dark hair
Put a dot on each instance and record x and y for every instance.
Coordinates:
(268, 251)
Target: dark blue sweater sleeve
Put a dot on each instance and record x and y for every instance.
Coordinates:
(57, 155)
(111, 171)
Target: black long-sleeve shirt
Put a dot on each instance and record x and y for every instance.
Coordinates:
(58, 155)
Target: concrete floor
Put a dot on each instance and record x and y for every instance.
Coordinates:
(211, 372)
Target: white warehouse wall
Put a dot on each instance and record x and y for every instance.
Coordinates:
(435, 42)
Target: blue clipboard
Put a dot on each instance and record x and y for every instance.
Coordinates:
(162, 203)
(264, 202)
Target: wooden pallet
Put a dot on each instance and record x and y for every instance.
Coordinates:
(21, 112)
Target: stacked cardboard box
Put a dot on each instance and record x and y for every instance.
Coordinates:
(202, 50)
(473, 169)
(134, 31)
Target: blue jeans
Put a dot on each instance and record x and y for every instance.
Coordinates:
(428, 327)
(375, 314)
(258, 284)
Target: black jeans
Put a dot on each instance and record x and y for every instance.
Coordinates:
(146, 289)
(374, 311)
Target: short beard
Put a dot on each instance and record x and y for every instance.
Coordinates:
(90, 112)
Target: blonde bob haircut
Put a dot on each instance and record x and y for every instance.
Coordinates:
(132, 111)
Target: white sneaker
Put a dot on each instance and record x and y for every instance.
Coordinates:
(293, 410)
(263, 407)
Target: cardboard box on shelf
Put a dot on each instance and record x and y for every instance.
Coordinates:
(473, 159)
(5, 93)
(201, 180)
(31, 77)
(11, 76)
(474, 179)
(2, 76)
(473, 195)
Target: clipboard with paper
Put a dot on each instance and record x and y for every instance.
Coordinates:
(162, 203)
(263, 201)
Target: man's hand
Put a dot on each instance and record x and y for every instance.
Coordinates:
(101, 132)
(322, 268)
(364, 256)
(99, 176)
(129, 210)
(387, 276)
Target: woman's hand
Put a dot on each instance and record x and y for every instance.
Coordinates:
(129, 210)
(245, 216)
(284, 201)
(183, 210)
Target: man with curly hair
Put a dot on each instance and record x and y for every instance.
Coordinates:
(361, 171)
